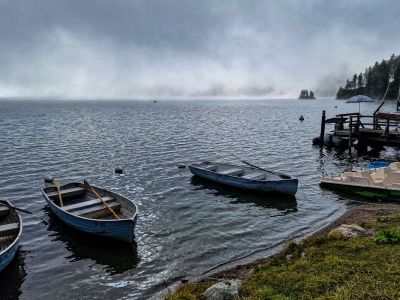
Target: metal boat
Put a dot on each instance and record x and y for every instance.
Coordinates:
(246, 177)
(90, 209)
(10, 232)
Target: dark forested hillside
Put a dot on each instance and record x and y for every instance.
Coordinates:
(374, 81)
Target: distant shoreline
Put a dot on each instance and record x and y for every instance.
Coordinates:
(151, 99)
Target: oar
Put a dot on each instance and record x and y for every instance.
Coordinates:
(58, 187)
(87, 184)
(272, 172)
(16, 208)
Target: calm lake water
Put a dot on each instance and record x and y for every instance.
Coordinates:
(185, 226)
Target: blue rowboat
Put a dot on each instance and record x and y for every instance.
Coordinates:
(10, 231)
(246, 177)
(84, 211)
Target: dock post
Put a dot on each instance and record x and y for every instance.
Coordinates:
(387, 126)
(322, 134)
(350, 129)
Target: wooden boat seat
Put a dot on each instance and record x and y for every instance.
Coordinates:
(97, 211)
(232, 172)
(210, 167)
(255, 176)
(4, 210)
(66, 193)
(9, 229)
(82, 205)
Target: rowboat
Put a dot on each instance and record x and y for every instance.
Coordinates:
(246, 177)
(10, 231)
(383, 182)
(82, 208)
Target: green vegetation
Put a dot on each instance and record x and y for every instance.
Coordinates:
(388, 236)
(326, 267)
(304, 94)
(190, 291)
(374, 81)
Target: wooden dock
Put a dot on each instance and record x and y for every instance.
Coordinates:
(363, 131)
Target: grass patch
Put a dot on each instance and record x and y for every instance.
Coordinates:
(327, 267)
(334, 268)
(388, 236)
(190, 291)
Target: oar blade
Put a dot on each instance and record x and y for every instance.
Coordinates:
(57, 184)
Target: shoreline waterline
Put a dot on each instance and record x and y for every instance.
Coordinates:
(355, 214)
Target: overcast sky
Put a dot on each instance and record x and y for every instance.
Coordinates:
(190, 48)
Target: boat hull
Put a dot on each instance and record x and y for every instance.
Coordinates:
(284, 186)
(123, 229)
(8, 254)
(367, 192)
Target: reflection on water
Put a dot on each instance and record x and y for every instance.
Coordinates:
(284, 203)
(12, 277)
(116, 256)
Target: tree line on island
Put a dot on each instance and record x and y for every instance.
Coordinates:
(304, 94)
(374, 81)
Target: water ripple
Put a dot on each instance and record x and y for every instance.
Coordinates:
(185, 226)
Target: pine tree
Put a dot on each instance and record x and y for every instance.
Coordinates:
(368, 81)
(354, 81)
(360, 81)
(375, 80)
(348, 85)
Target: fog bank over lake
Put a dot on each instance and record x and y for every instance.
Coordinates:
(125, 49)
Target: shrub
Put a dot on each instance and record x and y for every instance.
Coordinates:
(387, 236)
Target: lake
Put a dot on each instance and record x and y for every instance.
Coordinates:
(186, 226)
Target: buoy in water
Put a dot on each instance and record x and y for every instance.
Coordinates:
(181, 166)
(301, 118)
(48, 179)
(316, 141)
(119, 170)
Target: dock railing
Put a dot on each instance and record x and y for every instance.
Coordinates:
(372, 123)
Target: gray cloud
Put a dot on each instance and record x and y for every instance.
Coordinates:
(99, 48)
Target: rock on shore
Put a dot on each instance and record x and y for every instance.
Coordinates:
(224, 290)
